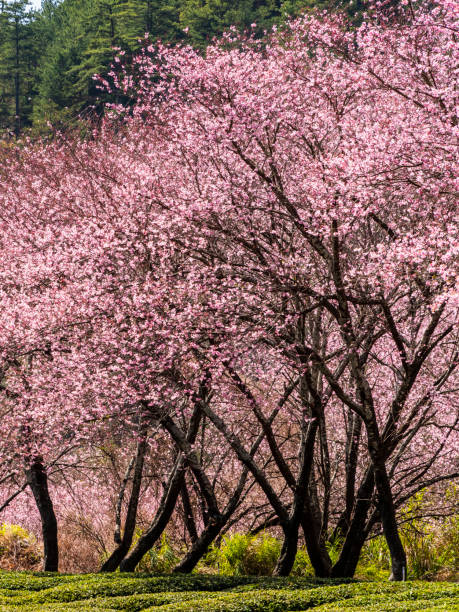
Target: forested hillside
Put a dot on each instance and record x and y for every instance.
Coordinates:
(48, 57)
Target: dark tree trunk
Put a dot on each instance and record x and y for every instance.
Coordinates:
(318, 554)
(347, 563)
(300, 500)
(17, 85)
(149, 17)
(169, 497)
(166, 508)
(216, 523)
(352, 450)
(188, 515)
(37, 479)
(118, 554)
(355, 536)
(200, 546)
(386, 505)
(288, 552)
(389, 522)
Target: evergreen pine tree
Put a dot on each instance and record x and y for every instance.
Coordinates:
(354, 8)
(19, 50)
(158, 18)
(206, 19)
(48, 57)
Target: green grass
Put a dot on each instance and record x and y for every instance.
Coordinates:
(23, 592)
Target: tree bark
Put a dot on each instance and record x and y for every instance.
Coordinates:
(166, 507)
(386, 504)
(17, 86)
(318, 554)
(118, 554)
(289, 548)
(37, 479)
(188, 515)
(389, 522)
(355, 536)
(200, 545)
(214, 526)
(168, 500)
(300, 498)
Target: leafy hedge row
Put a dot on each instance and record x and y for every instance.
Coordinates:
(135, 593)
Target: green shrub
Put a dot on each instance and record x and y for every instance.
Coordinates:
(262, 555)
(374, 562)
(432, 549)
(448, 543)
(334, 549)
(240, 554)
(159, 559)
(432, 546)
(354, 597)
(302, 565)
(232, 553)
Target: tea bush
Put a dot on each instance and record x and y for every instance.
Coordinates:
(197, 592)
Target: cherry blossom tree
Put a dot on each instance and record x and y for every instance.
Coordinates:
(269, 234)
(312, 167)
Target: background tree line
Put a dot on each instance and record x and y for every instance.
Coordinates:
(49, 56)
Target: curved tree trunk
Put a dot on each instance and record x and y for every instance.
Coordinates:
(188, 515)
(37, 479)
(288, 551)
(389, 522)
(352, 451)
(215, 525)
(355, 537)
(169, 498)
(318, 554)
(159, 524)
(200, 546)
(300, 500)
(118, 554)
(386, 504)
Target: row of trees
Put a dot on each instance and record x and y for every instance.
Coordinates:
(250, 276)
(48, 57)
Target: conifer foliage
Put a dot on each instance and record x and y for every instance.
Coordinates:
(48, 57)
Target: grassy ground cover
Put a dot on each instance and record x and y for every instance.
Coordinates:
(21, 592)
